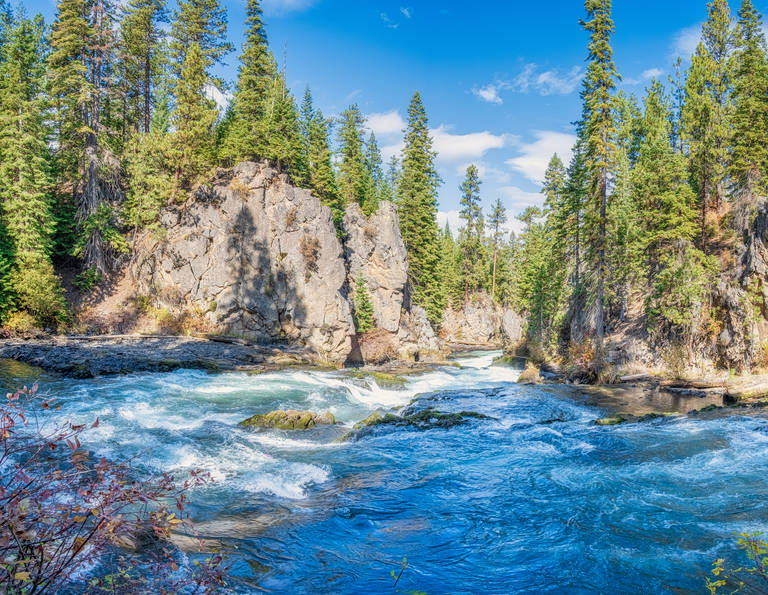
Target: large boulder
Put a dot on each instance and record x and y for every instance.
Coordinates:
(255, 255)
(374, 250)
(289, 420)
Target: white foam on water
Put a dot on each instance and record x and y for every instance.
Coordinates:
(241, 466)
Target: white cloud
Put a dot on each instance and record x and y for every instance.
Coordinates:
(652, 73)
(452, 218)
(534, 157)
(394, 149)
(221, 99)
(548, 82)
(646, 75)
(486, 172)
(386, 123)
(474, 145)
(552, 82)
(406, 12)
(489, 93)
(685, 41)
(273, 7)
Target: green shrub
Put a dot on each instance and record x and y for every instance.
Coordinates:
(87, 280)
(363, 314)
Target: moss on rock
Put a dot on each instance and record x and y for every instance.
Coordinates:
(289, 420)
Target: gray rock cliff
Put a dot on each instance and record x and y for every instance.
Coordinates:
(260, 256)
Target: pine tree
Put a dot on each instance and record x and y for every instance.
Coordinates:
(201, 23)
(417, 201)
(496, 222)
(707, 109)
(150, 183)
(353, 178)
(374, 176)
(256, 86)
(623, 213)
(142, 54)
(364, 314)
(194, 119)
(749, 155)
(472, 233)
(599, 128)
(80, 75)
(25, 180)
(450, 271)
(282, 138)
(322, 177)
(666, 203)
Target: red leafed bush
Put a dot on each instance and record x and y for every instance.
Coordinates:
(70, 521)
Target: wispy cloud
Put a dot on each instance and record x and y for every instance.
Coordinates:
(534, 157)
(490, 93)
(278, 7)
(645, 76)
(387, 21)
(532, 79)
(685, 41)
(406, 12)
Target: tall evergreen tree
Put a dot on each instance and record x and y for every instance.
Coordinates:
(665, 200)
(25, 180)
(707, 108)
(282, 138)
(322, 177)
(749, 155)
(353, 178)
(417, 200)
(598, 100)
(201, 23)
(471, 212)
(253, 114)
(496, 222)
(374, 176)
(142, 54)
(194, 120)
(80, 64)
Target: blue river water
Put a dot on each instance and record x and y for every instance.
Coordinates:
(537, 499)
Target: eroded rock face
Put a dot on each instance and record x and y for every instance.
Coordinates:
(482, 322)
(375, 249)
(259, 256)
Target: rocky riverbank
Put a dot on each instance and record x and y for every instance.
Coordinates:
(103, 355)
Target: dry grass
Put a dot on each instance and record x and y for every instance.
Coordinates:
(310, 250)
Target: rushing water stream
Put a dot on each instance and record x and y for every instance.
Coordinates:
(537, 499)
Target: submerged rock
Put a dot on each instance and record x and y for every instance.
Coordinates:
(289, 420)
(422, 419)
(530, 375)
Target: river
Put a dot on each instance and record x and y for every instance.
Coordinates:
(536, 499)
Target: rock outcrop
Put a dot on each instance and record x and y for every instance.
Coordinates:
(258, 256)
(374, 250)
(482, 322)
(255, 257)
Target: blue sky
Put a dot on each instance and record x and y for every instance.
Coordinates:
(500, 80)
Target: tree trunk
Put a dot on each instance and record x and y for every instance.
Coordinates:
(147, 89)
(600, 319)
